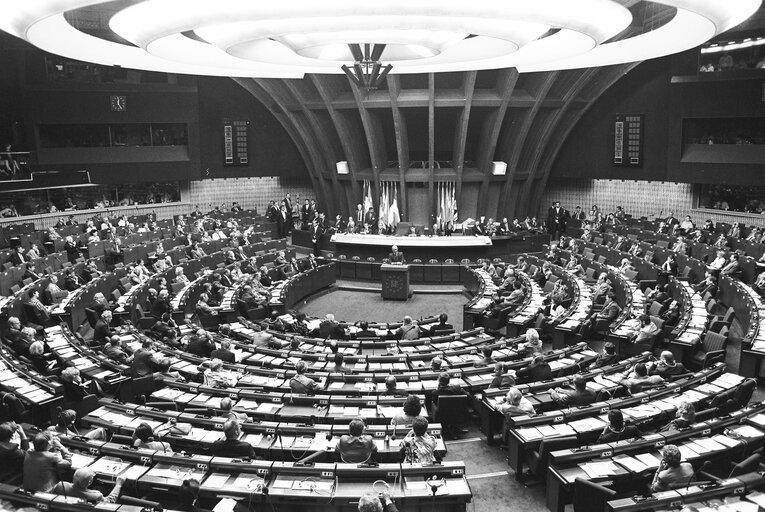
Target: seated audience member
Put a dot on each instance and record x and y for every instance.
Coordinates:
(329, 328)
(578, 397)
(80, 487)
(419, 446)
(672, 473)
(516, 297)
(608, 356)
(188, 496)
(616, 430)
(13, 333)
(391, 387)
(166, 330)
(113, 350)
(24, 342)
(41, 314)
(180, 277)
(666, 366)
(74, 389)
(442, 327)
(644, 330)
(339, 366)
(669, 267)
(161, 305)
(601, 288)
(412, 408)
(487, 359)
(144, 439)
(44, 464)
(201, 344)
(12, 453)
(732, 267)
(163, 372)
(143, 360)
(216, 376)
(638, 379)
(672, 315)
(602, 319)
(684, 417)
(227, 406)
(409, 330)
(224, 353)
(364, 331)
(301, 383)
(231, 446)
(103, 331)
(537, 370)
(66, 425)
(502, 378)
(355, 447)
(759, 284)
(515, 404)
(44, 362)
(374, 502)
(707, 286)
(532, 346)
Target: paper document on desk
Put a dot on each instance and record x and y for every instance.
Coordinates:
(727, 441)
(631, 463)
(216, 480)
(599, 469)
(649, 459)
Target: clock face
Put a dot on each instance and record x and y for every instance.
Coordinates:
(118, 103)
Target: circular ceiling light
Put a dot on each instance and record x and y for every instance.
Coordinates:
(287, 39)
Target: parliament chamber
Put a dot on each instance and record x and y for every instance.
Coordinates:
(410, 256)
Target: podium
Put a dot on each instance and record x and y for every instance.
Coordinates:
(395, 281)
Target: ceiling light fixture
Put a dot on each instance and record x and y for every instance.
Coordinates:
(367, 73)
(287, 39)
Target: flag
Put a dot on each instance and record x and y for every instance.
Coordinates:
(383, 217)
(393, 216)
(367, 201)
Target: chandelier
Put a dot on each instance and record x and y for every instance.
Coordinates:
(366, 72)
(254, 38)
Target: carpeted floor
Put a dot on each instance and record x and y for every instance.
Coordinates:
(351, 306)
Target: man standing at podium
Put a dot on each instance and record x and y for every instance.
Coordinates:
(396, 257)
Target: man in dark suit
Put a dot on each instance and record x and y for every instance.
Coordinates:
(356, 447)
(602, 319)
(359, 216)
(445, 388)
(305, 214)
(31, 272)
(315, 237)
(536, 371)
(442, 326)
(579, 397)
(396, 256)
(224, 352)
(370, 220)
(200, 344)
(331, 328)
(17, 256)
(608, 356)
(287, 203)
(102, 332)
(231, 446)
(556, 220)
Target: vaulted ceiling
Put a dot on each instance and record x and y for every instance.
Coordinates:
(425, 129)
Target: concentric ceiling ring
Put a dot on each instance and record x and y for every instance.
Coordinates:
(287, 39)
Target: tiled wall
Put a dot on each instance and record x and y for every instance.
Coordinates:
(248, 192)
(638, 198)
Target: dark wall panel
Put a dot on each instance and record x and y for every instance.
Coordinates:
(588, 151)
(272, 152)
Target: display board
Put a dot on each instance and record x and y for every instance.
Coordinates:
(236, 142)
(628, 140)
